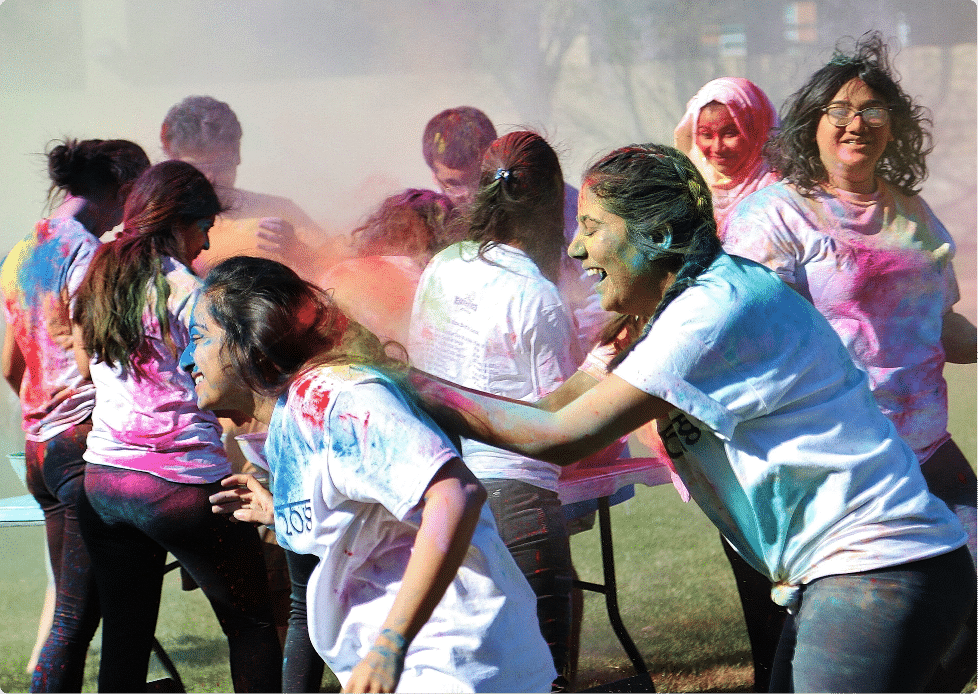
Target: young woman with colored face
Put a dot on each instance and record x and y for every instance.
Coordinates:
(90, 178)
(848, 229)
(153, 457)
(723, 132)
(768, 422)
(414, 589)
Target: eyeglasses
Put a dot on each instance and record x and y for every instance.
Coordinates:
(873, 116)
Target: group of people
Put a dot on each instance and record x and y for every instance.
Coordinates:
(768, 303)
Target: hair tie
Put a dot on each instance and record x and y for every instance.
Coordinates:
(501, 173)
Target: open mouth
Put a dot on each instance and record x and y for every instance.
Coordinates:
(598, 272)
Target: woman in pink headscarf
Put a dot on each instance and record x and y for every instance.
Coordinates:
(723, 130)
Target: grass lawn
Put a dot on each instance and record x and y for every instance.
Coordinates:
(676, 594)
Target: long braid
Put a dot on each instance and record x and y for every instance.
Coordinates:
(703, 247)
(668, 213)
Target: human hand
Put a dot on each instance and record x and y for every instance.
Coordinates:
(245, 499)
(277, 236)
(381, 668)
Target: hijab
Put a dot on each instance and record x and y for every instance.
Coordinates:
(755, 116)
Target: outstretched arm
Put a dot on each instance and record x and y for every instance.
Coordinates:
(452, 504)
(602, 414)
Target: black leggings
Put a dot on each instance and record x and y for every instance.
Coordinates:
(130, 520)
(302, 670)
(55, 477)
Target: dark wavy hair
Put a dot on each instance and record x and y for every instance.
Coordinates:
(793, 149)
(414, 222)
(126, 272)
(457, 137)
(520, 200)
(94, 169)
(667, 209)
(277, 326)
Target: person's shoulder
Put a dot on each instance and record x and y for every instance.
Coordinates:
(731, 283)
(456, 251)
(183, 282)
(333, 377)
(67, 232)
(776, 193)
(248, 203)
(912, 204)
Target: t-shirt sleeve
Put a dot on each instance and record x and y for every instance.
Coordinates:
(380, 450)
(78, 269)
(718, 358)
(952, 293)
(762, 228)
(672, 375)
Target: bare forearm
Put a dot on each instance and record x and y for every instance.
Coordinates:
(496, 420)
(451, 513)
(593, 421)
(568, 391)
(452, 505)
(14, 364)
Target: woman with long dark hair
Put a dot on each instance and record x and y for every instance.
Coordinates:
(768, 422)
(153, 457)
(413, 589)
(89, 181)
(488, 315)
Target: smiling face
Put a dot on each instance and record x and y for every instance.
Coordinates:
(720, 140)
(850, 153)
(216, 383)
(628, 282)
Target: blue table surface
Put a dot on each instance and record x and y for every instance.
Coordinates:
(20, 510)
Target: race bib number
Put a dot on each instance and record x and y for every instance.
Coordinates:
(294, 518)
(679, 435)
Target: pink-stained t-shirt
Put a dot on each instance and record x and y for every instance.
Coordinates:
(152, 423)
(878, 267)
(38, 277)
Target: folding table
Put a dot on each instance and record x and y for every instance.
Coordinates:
(600, 479)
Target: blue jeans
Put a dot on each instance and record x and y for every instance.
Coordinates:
(531, 523)
(875, 631)
(130, 521)
(56, 479)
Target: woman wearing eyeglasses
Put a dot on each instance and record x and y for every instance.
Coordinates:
(847, 229)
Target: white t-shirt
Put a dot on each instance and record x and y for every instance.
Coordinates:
(152, 424)
(776, 434)
(878, 267)
(351, 459)
(499, 326)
